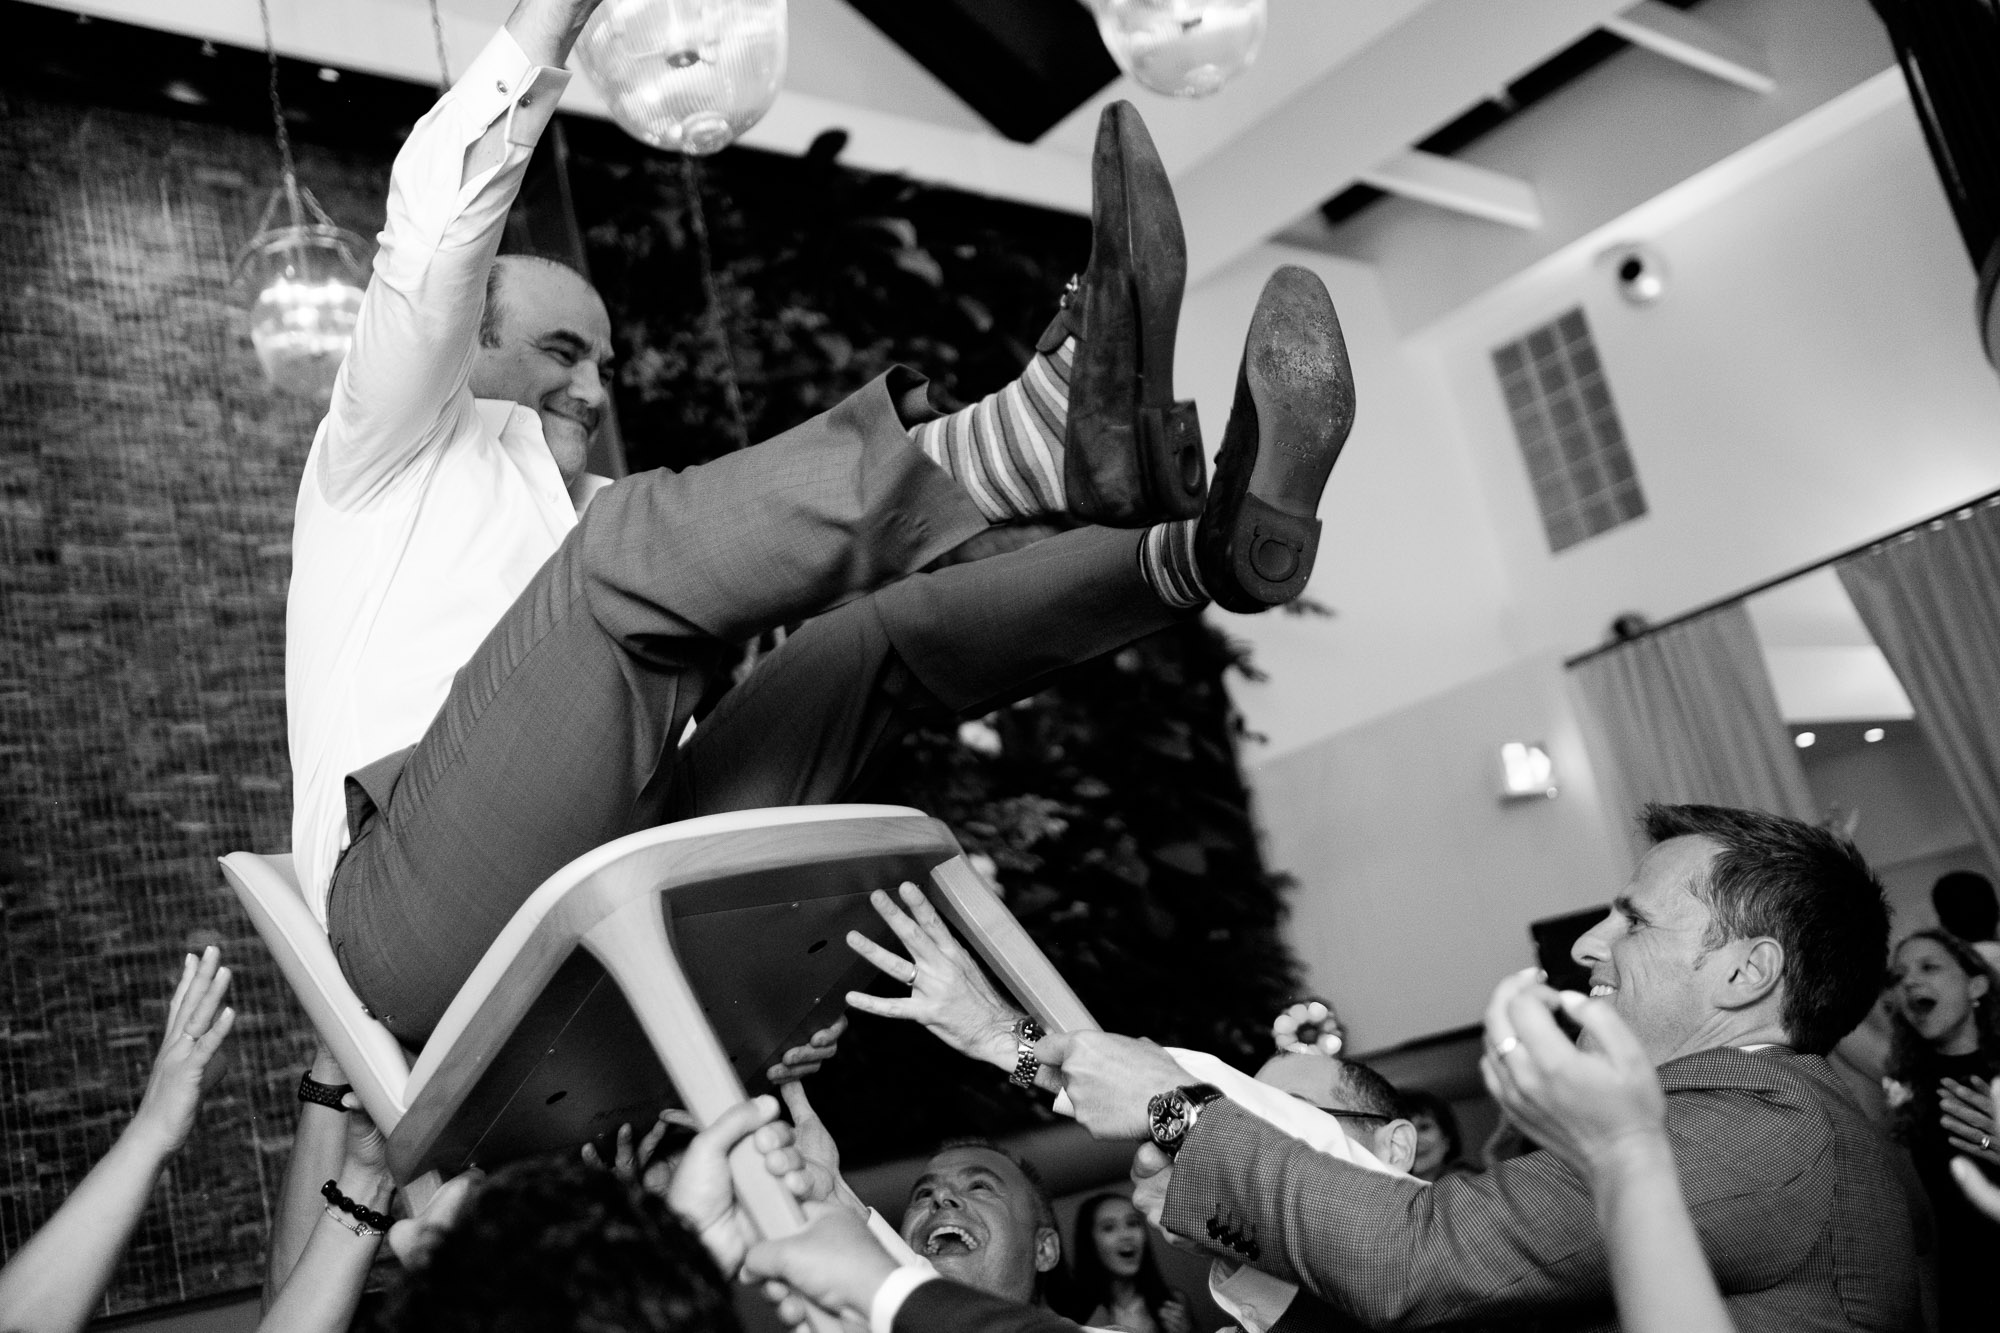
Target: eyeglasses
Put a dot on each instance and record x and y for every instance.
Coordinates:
(1358, 1115)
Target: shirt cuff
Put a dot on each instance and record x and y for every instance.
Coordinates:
(889, 1297)
(500, 81)
(1255, 1300)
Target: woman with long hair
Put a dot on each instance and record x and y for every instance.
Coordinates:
(1944, 1051)
(1116, 1283)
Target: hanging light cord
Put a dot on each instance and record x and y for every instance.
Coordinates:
(732, 392)
(278, 120)
(437, 35)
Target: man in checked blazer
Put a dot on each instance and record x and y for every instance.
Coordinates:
(1743, 948)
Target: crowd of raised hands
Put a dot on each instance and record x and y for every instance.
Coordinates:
(1596, 1102)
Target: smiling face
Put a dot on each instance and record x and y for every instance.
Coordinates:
(1648, 957)
(1119, 1233)
(1937, 996)
(976, 1216)
(547, 346)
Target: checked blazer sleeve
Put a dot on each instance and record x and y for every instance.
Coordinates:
(1756, 1145)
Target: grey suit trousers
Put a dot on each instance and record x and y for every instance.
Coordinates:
(560, 733)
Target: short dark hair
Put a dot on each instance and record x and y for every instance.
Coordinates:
(1965, 905)
(1045, 1204)
(1804, 886)
(1364, 1090)
(554, 1246)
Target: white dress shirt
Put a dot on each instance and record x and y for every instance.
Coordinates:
(423, 512)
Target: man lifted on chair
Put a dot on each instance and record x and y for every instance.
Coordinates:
(490, 655)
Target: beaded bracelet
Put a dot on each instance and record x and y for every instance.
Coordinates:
(342, 1220)
(359, 1212)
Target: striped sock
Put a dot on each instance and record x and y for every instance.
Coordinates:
(1166, 559)
(1006, 450)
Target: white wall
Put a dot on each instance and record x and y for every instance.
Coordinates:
(1407, 558)
(1811, 379)
(1416, 882)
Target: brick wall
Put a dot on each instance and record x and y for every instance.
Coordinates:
(146, 487)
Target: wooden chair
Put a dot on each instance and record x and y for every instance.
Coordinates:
(670, 967)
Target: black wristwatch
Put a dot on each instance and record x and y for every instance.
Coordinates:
(1172, 1114)
(322, 1094)
(1026, 1033)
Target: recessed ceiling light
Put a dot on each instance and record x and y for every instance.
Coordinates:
(1873, 734)
(1804, 740)
(186, 93)
(328, 74)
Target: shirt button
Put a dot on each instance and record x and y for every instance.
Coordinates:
(526, 98)
(500, 86)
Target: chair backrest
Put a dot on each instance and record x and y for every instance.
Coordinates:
(372, 1058)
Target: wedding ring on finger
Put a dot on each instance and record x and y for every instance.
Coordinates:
(1985, 1142)
(1506, 1046)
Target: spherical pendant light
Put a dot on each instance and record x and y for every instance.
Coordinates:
(1183, 48)
(686, 75)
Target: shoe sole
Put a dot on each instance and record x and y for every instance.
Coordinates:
(1154, 438)
(1297, 385)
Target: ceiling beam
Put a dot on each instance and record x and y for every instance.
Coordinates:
(1411, 79)
(1446, 182)
(1681, 37)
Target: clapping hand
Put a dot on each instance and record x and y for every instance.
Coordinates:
(1587, 1106)
(949, 995)
(1967, 1114)
(1983, 1193)
(186, 1066)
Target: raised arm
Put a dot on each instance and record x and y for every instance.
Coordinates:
(54, 1281)
(403, 388)
(319, 1148)
(319, 1291)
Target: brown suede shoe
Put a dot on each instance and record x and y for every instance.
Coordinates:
(1294, 407)
(1132, 453)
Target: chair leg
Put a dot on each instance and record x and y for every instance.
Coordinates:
(970, 908)
(636, 948)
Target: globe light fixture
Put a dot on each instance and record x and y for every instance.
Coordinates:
(307, 277)
(1183, 48)
(686, 75)
(301, 274)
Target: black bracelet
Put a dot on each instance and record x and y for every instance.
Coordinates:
(359, 1212)
(316, 1093)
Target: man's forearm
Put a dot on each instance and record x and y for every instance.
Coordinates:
(547, 29)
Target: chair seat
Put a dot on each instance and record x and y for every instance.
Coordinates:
(709, 946)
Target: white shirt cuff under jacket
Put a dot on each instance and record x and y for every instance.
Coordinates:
(889, 1297)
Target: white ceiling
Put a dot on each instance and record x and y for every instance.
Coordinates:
(1341, 87)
